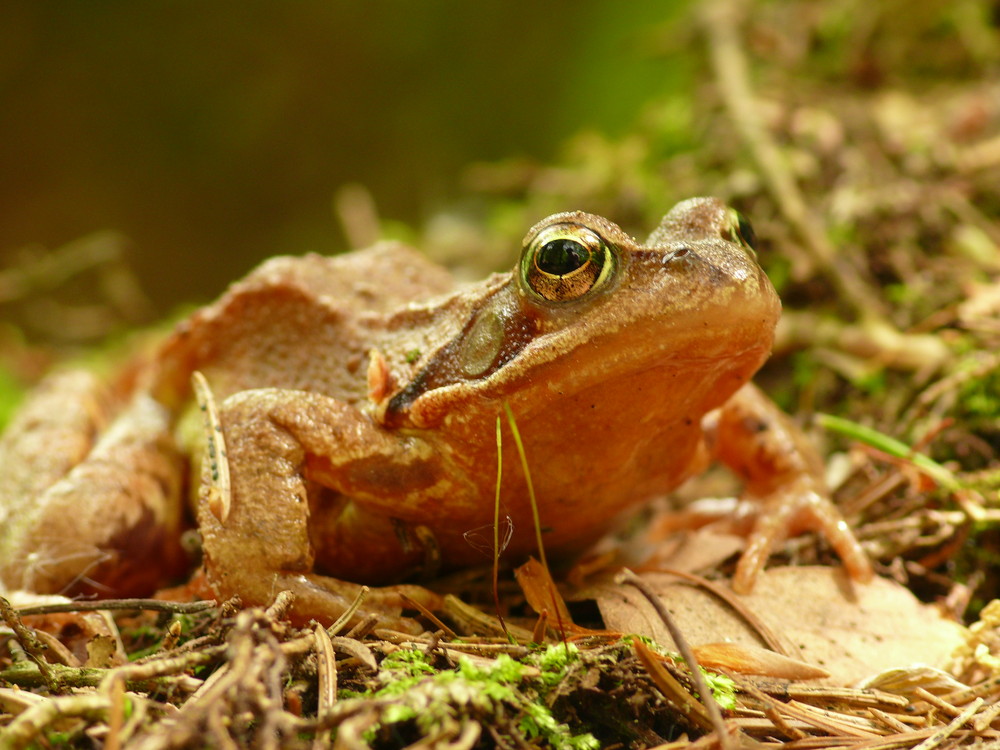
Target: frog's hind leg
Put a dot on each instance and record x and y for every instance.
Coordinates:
(48, 435)
(84, 508)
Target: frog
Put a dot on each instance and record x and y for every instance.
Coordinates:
(352, 406)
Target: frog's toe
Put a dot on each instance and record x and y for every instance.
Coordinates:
(792, 512)
(326, 599)
(770, 529)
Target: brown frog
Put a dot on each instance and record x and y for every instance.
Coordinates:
(357, 400)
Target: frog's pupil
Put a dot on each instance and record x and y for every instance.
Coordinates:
(560, 257)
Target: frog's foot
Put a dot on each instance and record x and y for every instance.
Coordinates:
(789, 511)
(326, 599)
(784, 475)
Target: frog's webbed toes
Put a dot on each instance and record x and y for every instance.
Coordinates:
(326, 599)
(791, 511)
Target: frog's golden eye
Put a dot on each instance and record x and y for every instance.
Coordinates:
(564, 262)
(740, 230)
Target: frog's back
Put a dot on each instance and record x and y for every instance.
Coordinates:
(377, 280)
(297, 322)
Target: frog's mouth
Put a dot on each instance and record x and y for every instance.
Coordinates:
(668, 359)
(696, 370)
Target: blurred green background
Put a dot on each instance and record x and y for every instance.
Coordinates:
(216, 134)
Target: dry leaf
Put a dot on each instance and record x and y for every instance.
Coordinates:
(542, 595)
(852, 631)
(72, 631)
(757, 661)
(695, 550)
(540, 591)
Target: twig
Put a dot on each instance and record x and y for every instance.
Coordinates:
(945, 732)
(672, 690)
(326, 677)
(770, 638)
(768, 706)
(348, 614)
(425, 612)
(30, 644)
(708, 700)
(134, 674)
(280, 606)
(116, 714)
(888, 720)
(152, 605)
(354, 648)
(834, 722)
(29, 723)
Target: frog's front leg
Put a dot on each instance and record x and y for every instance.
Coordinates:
(286, 450)
(784, 474)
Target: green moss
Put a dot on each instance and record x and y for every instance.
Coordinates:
(980, 397)
(11, 393)
(434, 700)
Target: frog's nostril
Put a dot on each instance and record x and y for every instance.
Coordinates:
(678, 253)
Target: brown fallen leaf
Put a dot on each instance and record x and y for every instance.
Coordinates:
(70, 636)
(852, 631)
(540, 591)
(543, 596)
(755, 661)
(695, 550)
